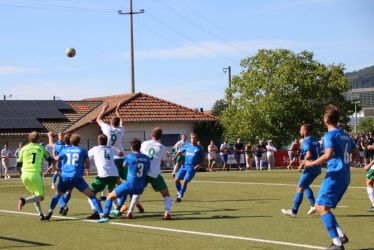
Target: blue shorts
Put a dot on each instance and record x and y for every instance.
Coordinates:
(127, 188)
(186, 174)
(332, 189)
(224, 158)
(307, 178)
(68, 183)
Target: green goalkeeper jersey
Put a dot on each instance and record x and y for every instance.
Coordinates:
(31, 156)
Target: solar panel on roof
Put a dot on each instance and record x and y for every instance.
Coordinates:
(61, 105)
(4, 124)
(3, 105)
(24, 123)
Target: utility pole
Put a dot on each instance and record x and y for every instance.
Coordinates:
(357, 102)
(132, 68)
(228, 70)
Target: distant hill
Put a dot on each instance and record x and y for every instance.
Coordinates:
(363, 78)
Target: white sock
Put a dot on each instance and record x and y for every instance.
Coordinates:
(38, 207)
(91, 204)
(337, 241)
(168, 204)
(371, 195)
(340, 232)
(104, 192)
(135, 199)
(33, 199)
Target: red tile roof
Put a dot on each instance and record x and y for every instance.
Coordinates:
(141, 107)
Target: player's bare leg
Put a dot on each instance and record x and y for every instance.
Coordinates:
(370, 190)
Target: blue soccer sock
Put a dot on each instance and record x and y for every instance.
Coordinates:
(178, 186)
(330, 224)
(121, 201)
(183, 189)
(107, 206)
(297, 202)
(309, 194)
(64, 199)
(54, 201)
(54, 178)
(96, 204)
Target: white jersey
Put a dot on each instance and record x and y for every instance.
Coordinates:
(224, 147)
(157, 152)
(179, 145)
(114, 135)
(104, 160)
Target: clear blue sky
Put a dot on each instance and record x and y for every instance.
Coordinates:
(180, 46)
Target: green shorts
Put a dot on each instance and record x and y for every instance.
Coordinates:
(100, 183)
(122, 172)
(33, 183)
(180, 159)
(158, 184)
(370, 174)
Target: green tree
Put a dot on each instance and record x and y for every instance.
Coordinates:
(278, 90)
(366, 125)
(218, 107)
(208, 131)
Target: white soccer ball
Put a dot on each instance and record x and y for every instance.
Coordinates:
(70, 52)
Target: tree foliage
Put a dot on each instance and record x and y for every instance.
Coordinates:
(208, 131)
(218, 107)
(277, 91)
(366, 125)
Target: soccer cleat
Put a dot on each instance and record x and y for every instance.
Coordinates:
(123, 208)
(102, 198)
(335, 247)
(48, 216)
(167, 216)
(128, 216)
(94, 216)
(61, 210)
(21, 203)
(371, 209)
(65, 211)
(179, 199)
(115, 212)
(103, 220)
(344, 239)
(42, 217)
(288, 212)
(312, 210)
(140, 208)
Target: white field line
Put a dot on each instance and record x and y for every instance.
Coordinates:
(226, 182)
(181, 231)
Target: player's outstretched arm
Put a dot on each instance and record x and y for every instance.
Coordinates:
(99, 118)
(50, 139)
(117, 113)
(367, 167)
(329, 153)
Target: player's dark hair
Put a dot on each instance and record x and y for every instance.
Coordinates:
(33, 137)
(194, 134)
(332, 113)
(102, 140)
(308, 127)
(66, 139)
(75, 139)
(135, 145)
(156, 133)
(116, 121)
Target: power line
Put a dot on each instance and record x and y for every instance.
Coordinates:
(190, 39)
(202, 28)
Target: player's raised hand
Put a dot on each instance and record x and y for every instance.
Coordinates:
(367, 167)
(106, 106)
(50, 134)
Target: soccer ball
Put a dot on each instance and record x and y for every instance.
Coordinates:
(70, 52)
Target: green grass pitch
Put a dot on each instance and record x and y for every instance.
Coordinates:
(245, 205)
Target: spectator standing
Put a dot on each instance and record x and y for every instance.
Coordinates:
(270, 150)
(361, 152)
(371, 143)
(16, 154)
(212, 156)
(224, 152)
(238, 151)
(293, 153)
(365, 144)
(5, 160)
(249, 156)
(260, 150)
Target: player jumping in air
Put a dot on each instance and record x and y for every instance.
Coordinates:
(310, 150)
(30, 161)
(138, 166)
(157, 153)
(72, 171)
(194, 157)
(338, 148)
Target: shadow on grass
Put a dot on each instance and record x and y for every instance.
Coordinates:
(357, 216)
(30, 243)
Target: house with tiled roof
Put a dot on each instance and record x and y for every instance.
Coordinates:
(140, 113)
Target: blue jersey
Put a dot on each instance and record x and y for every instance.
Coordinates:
(138, 165)
(311, 144)
(343, 146)
(194, 155)
(73, 158)
(58, 147)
